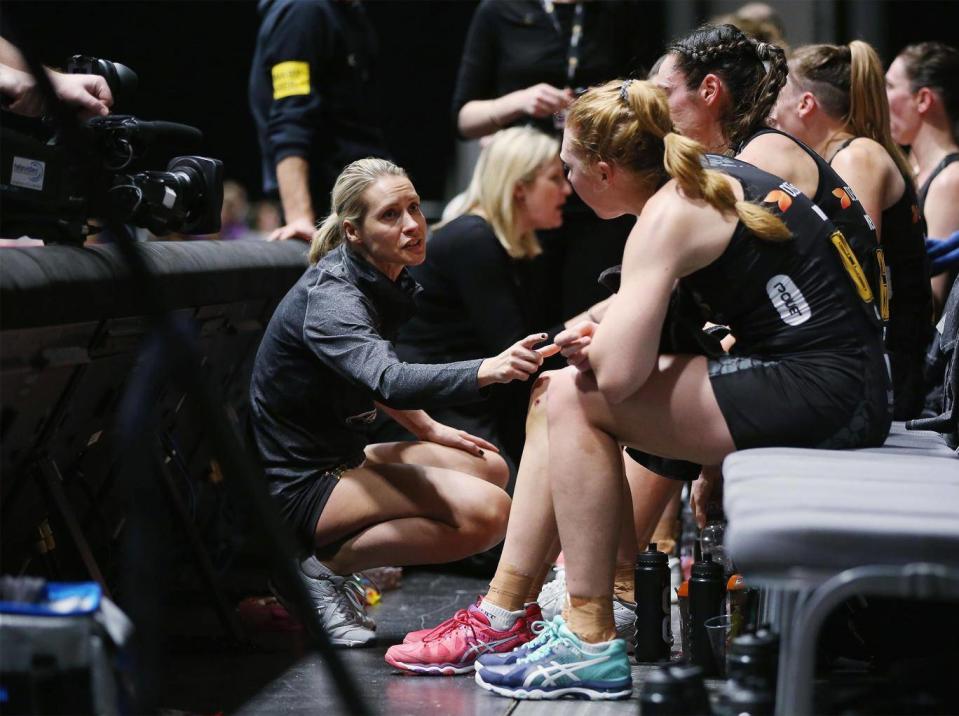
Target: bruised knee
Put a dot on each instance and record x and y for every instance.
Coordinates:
(564, 394)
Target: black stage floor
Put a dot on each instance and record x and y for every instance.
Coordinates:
(207, 677)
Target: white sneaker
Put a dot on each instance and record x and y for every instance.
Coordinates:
(553, 595)
(624, 614)
(357, 595)
(335, 600)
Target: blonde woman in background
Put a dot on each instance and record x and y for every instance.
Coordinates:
(485, 284)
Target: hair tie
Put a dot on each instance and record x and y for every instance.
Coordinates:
(624, 90)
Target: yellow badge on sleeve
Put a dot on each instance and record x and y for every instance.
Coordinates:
(290, 78)
(852, 266)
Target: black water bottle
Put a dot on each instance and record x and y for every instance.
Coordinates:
(654, 635)
(751, 689)
(707, 589)
(674, 691)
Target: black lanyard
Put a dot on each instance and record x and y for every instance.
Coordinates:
(572, 55)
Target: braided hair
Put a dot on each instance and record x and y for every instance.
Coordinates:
(752, 71)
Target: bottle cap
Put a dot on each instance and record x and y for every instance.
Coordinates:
(652, 557)
(683, 589)
(708, 569)
(736, 583)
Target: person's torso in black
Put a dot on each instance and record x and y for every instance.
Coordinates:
(475, 300)
(784, 298)
(339, 119)
(924, 190)
(843, 208)
(909, 310)
(514, 45)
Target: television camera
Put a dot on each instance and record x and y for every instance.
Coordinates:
(107, 169)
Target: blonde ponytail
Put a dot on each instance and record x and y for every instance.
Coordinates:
(326, 237)
(348, 202)
(682, 159)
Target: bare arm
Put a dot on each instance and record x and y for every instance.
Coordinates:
(89, 94)
(10, 56)
(941, 208)
(480, 117)
(429, 430)
(293, 178)
(673, 237)
(782, 157)
(869, 171)
(942, 218)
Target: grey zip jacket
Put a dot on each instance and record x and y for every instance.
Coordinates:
(327, 355)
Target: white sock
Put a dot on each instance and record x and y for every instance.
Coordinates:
(500, 619)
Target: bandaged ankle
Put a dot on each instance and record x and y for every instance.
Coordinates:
(624, 582)
(591, 618)
(509, 587)
(536, 585)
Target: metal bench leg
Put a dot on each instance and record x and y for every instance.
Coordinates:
(921, 581)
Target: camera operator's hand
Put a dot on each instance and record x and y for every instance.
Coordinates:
(297, 229)
(89, 93)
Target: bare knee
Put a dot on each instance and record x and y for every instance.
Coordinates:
(563, 398)
(494, 469)
(484, 519)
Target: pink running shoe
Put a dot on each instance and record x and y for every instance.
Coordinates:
(533, 614)
(452, 647)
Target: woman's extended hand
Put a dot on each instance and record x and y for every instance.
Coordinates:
(518, 362)
(451, 437)
(574, 344)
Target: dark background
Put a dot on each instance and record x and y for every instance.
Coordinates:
(193, 60)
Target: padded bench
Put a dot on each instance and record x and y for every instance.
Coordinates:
(814, 527)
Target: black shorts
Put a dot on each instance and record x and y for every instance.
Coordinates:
(820, 400)
(301, 499)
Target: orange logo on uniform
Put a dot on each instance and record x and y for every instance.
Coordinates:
(844, 201)
(781, 198)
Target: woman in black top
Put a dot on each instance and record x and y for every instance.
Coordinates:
(922, 85)
(484, 281)
(807, 368)
(523, 62)
(326, 364)
(834, 100)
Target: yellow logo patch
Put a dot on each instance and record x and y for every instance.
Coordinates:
(852, 266)
(883, 285)
(291, 78)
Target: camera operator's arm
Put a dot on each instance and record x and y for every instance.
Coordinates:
(89, 93)
(293, 179)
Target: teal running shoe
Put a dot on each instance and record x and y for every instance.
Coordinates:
(563, 666)
(543, 631)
